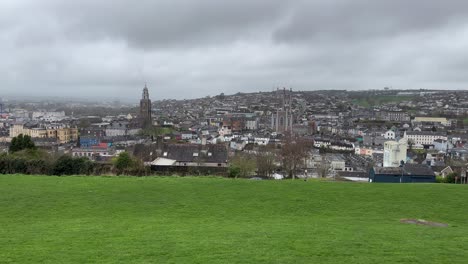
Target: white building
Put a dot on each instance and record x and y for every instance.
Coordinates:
(442, 120)
(337, 162)
(238, 144)
(93, 153)
(423, 137)
(225, 130)
(394, 153)
(261, 141)
(363, 151)
(49, 116)
(390, 134)
(442, 145)
(251, 124)
(20, 113)
(318, 143)
(115, 132)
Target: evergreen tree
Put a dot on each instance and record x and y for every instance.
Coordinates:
(21, 142)
(67, 165)
(123, 162)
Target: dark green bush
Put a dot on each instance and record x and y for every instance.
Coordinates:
(234, 171)
(67, 165)
(21, 142)
(450, 178)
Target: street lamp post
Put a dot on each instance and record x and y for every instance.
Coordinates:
(401, 167)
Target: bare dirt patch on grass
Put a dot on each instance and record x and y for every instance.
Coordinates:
(422, 222)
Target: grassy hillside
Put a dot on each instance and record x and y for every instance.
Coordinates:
(48, 219)
(378, 100)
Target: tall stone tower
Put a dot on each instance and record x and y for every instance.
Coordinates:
(282, 120)
(145, 108)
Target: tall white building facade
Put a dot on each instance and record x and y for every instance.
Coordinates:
(394, 153)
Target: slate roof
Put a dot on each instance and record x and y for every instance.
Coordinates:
(408, 169)
(359, 174)
(418, 170)
(185, 153)
(387, 170)
(425, 133)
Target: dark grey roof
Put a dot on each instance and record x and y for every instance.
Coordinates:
(459, 150)
(207, 153)
(426, 133)
(408, 169)
(387, 170)
(418, 170)
(341, 144)
(360, 174)
(119, 124)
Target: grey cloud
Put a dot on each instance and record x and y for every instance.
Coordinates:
(189, 48)
(361, 20)
(172, 23)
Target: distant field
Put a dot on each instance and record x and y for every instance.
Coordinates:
(377, 100)
(465, 121)
(46, 219)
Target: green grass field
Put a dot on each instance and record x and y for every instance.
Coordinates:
(378, 100)
(46, 219)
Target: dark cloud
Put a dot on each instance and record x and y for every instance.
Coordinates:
(152, 24)
(189, 48)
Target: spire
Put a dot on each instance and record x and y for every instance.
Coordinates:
(145, 92)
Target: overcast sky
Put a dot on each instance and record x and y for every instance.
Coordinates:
(194, 48)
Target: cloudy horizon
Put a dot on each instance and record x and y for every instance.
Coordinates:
(189, 49)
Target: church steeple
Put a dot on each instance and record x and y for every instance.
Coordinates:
(145, 93)
(145, 108)
(282, 121)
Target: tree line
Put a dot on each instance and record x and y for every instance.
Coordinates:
(25, 158)
(290, 158)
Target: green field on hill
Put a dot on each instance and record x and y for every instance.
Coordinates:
(368, 102)
(47, 219)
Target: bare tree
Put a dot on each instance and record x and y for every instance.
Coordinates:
(323, 168)
(294, 151)
(265, 158)
(242, 165)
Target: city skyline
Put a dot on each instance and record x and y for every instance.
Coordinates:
(155, 97)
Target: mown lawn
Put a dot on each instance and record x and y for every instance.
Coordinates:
(46, 219)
